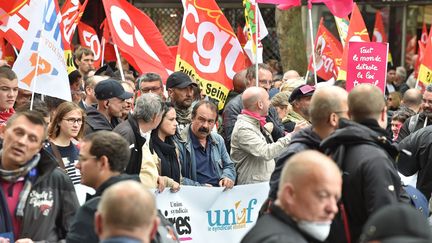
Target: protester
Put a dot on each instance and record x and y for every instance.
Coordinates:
(281, 104)
(103, 157)
(90, 97)
(84, 59)
(126, 213)
(111, 98)
(423, 119)
(391, 78)
(129, 103)
(235, 106)
(398, 119)
(151, 82)
(309, 189)
(23, 97)
(137, 128)
(75, 84)
(290, 75)
(396, 223)
(160, 165)
(8, 93)
(252, 148)
(239, 85)
(363, 152)
(299, 114)
(203, 156)
(412, 99)
(394, 101)
(328, 105)
(180, 92)
(37, 198)
(400, 81)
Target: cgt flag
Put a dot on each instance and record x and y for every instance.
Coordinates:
(41, 66)
(138, 38)
(208, 49)
(328, 53)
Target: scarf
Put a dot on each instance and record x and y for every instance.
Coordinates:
(5, 115)
(166, 152)
(293, 116)
(261, 119)
(184, 115)
(28, 170)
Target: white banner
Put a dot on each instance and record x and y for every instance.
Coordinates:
(203, 214)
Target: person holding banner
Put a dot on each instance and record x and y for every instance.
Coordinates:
(309, 189)
(203, 156)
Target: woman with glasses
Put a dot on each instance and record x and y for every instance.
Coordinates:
(64, 131)
(160, 166)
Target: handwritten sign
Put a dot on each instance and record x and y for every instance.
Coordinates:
(367, 63)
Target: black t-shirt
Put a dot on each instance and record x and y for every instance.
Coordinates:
(69, 156)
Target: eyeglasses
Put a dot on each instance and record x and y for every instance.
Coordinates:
(152, 89)
(263, 81)
(72, 121)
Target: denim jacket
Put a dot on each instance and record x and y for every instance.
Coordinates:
(220, 158)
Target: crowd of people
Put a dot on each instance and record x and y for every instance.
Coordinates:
(78, 171)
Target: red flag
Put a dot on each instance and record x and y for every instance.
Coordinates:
(16, 25)
(328, 53)
(71, 15)
(208, 49)
(136, 35)
(425, 70)
(379, 34)
(424, 35)
(356, 32)
(89, 38)
(10, 7)
(339, 8)
(420, 57)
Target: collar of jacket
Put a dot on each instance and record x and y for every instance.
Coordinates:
(186, 139)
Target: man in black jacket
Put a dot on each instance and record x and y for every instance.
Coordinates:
(328, 104)
(306, 204)
(366, 156)
(136, 129)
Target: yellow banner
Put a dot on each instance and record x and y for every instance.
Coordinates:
(69, 61)
(425, 75)
(212, 89)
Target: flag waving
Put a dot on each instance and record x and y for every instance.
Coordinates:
(138, 38)
(256, 27)
(208, 49)
(41, 66)
(71, 14)
(379, 34)
(89, 39)
(425, 71)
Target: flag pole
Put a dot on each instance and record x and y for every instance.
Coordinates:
(256, 42)
(33, 84)
(103, 51)
(312, 40)
(120, 67)
(15, 50)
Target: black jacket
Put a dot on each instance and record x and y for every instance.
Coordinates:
(370, 179)
(234, 108)
(302, 140)
(96, 121)
(419, 144)
(276, 227)
(404, 131)
(129, 130)
(82, 228)
(50, 206)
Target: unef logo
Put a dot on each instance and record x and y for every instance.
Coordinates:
(233, 218)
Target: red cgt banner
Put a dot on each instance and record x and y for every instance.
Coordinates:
(208, 49)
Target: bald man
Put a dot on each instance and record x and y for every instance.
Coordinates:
(361, 149)
(290, 75)
(126, 213)
(412, 99)
(309, 190)
(239, 85)
(327, 106)
(252, 147)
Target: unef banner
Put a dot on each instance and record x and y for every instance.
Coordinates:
(367, 63)
(328, 54)
(41, 66)
(216, 215)
(208, 49)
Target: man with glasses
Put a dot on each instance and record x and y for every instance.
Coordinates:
(102, 159)
(420, 120)
(300, 100)
(205, 161)
(111, 98)
(37, 198)
(151, 83)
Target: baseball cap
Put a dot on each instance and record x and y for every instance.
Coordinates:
(111, 88)
(397, 223)
(179, 80)
(301, 91)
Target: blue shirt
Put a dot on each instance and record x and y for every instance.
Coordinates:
(206, 172)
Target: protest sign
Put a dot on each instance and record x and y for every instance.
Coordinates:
(203, 214)
(367, 63)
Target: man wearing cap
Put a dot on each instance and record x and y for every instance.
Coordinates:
(180, 92)
(300, 100)
(110, 96)
(252, 147)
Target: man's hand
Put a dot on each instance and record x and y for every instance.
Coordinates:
(175, 187)
(161, 184)
(226, 182)
(24, 240)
